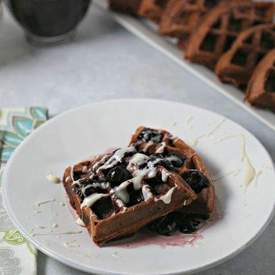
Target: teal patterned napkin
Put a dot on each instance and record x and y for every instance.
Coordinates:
(17, 256)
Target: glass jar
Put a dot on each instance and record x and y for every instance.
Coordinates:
(48, 21)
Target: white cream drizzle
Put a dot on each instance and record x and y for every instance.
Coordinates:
(164, 175)
(161, 148)
(185, 202)
(71, 244)
(57, 233)
(149, 171)
(166, 198)
(80, 222)
(101, 161)
(152, 173)
(90, 200)
(118, 202)
(120, 193)
(136, 160)
(249, 170)
(146, 192)
(55, 225)
(137, 181)
(210, 133)
(147, 146)
(189, 119)
(123, 195)
(234, 173)
(72, 173)
(115, 254)
(40, 203)
(258, 175)
(217, 127)
(116, 158)
(102, 185)
(54, 179)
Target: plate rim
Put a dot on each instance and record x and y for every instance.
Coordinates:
(74, 264)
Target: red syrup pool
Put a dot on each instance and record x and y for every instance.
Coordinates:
(145, 237)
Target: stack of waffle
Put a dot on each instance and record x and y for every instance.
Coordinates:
(157, 181)
(230, 37)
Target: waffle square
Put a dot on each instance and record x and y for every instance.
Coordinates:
(261, 88)
(129, 7)
(237, 65)
(180, 18)
(152, 9)
(222, 25)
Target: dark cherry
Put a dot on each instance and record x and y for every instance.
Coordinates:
(158, 187)
(79, 193)
(155, 159)
(77, 175)
(161, 3)
(117, 175)
(185, 223)
(103, 208)
(135, 196)
(196, 180)
(211, 3)
(150, 135)
(169, 161)
(173, 161)
(164, 226)
(187, 228)
(89, 191)
(189, 223)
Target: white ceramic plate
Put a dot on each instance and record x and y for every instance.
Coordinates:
(239, 164)
(148, 32)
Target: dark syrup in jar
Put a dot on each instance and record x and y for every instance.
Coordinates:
(49, 18)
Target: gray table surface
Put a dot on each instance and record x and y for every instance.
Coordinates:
(105, 61)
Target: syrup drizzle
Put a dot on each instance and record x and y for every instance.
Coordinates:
(250, 173)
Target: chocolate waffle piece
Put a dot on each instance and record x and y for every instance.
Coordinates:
(237, 65)
(180, 18)
(261, 87)
(152, 9)
(193, 170)
(125, 6)
(221, 26)
(117, 193)
(189, 218)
